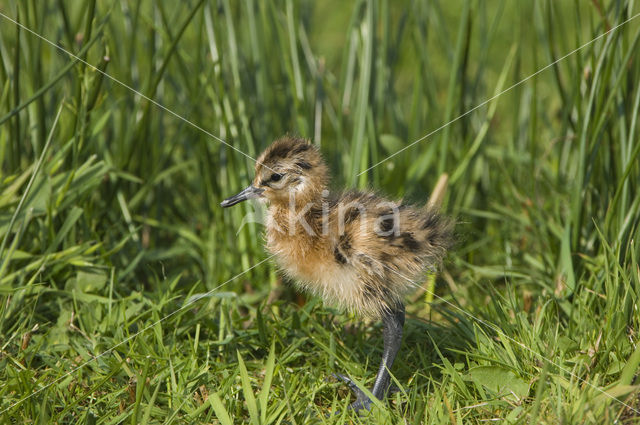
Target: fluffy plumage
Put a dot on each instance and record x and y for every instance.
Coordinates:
(356, 249)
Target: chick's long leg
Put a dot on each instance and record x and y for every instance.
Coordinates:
(393, 321)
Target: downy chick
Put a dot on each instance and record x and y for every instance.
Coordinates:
(355, 250)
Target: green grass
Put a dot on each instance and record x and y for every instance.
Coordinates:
(111, 232)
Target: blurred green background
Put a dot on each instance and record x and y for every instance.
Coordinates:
(109, 216)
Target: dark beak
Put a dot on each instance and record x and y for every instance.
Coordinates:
(249, 193)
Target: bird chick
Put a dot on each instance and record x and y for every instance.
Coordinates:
(356, 250)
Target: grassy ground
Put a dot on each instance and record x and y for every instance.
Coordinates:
(111, 232)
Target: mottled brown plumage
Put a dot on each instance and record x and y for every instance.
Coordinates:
(356, 250)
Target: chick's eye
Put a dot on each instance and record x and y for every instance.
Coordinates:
(276, 177)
